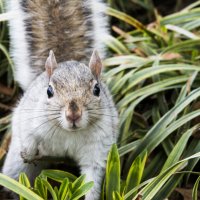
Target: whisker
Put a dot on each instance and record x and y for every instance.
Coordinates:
(55, 105)
(102, 114)
(95, 124)
(97, 128)
(39, 110)
(36, 128)
(56, 128)
(108, 122)
(101, 108)
(45, 116)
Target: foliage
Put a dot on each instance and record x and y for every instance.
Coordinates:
(153, 74)
(70, 186)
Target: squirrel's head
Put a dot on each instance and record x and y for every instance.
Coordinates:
(74, 92)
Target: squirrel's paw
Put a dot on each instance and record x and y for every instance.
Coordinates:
(30, 158)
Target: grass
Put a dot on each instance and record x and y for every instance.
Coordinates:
(153, 73)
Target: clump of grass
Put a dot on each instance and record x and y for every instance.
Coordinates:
(153, 75)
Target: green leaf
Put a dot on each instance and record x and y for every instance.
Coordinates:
(58, 175)
(130, 20)
(81, 191)
(62, 193)
(135, 173)
(132, 191)
(178, 149)
(134, 66)
(50, 189)
(39, 187)
(154, 167)
(183, 46)
(112, 172)
(56, 190)
(121, 60)
(4, 50)
(23, 179)
(18, 188)
(128, 147)
(116, 45)
(181, 17)
(152, 88)
(117, 196)
(78, 183)
(148, 72)
(195, 189)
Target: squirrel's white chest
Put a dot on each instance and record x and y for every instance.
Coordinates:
(60, 143)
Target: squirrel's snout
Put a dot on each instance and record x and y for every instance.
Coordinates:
(73, 113)
(73, 117)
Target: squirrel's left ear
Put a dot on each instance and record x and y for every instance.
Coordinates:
(95, 64)
(51, 63)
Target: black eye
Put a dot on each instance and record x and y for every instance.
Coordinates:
(50, 91)
(96, 90)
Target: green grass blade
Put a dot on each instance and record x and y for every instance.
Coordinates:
(178, 149)
(50, 189)
(181, 17)
(40, 188)
(130, 20)
(195, 189)
(62, 193)
(128, 147)
(112, 172)
(58, 175)
(135, 173)
(132, 191)
(183, 46)
(81, 191)
(146, 73)
(120, 60)
(152, 88)
(78, 182)
(23, 179)
(18, 188)
(116, 45)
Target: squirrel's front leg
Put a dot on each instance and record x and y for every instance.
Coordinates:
(94, 173)
(14, 163)
(29, 150)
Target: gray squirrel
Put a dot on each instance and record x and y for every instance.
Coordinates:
(66, 109)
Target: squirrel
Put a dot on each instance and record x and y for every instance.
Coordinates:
(66, 109)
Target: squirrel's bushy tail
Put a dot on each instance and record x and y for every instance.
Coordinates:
(72, 29)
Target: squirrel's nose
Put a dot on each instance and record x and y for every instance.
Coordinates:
(73, 113)
(73, 117)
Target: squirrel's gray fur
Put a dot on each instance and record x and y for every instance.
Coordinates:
(66, 109)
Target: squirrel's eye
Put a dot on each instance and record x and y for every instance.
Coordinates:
(96, 90)
(50, 91)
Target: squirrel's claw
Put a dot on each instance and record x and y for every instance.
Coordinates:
(30, 158)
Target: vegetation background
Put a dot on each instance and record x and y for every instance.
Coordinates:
(152, 70)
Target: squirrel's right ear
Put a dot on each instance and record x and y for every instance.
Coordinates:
(95, 64)
(51, 64)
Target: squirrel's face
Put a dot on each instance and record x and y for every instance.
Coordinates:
(74, 91)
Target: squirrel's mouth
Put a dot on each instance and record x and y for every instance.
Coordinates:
(74, 126)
